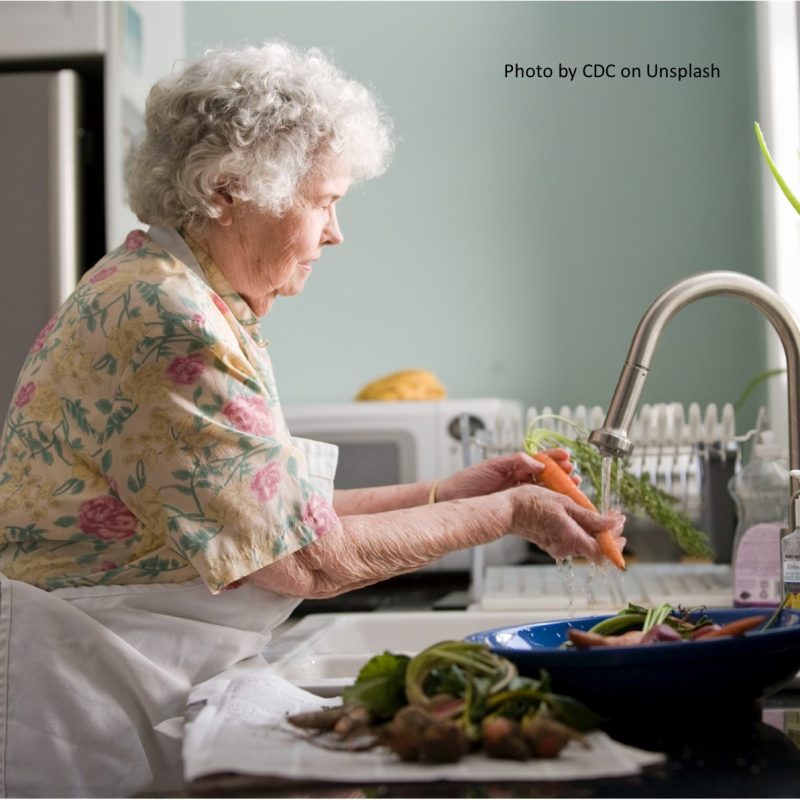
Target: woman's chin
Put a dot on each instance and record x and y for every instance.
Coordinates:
(294, 287)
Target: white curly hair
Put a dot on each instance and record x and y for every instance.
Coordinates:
(254, 122)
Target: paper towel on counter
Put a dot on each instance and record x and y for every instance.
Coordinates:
(239, 725)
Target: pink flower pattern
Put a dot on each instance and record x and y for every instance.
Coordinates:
(102, 274)
(135, 240)
(104, 566)
(319, 515)
(107, 518)
(180, 448)
(25, 394)
(186, 370)
(219, 303)
(250, 414)
(43, 334)
(265, 482)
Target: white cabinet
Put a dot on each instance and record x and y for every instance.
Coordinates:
(137, 42)
(50, 29)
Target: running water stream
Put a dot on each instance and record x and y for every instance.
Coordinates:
(610, 484)
(566, 571)
(609, 498)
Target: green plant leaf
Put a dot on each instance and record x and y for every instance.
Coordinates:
(380, 685)
(753, 384)
(774, 170)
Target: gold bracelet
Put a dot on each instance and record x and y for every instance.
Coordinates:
(432, 493)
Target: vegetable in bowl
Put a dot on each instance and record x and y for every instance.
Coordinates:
(636, 625)
(727, 673)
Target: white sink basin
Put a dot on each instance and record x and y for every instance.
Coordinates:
(322, 653)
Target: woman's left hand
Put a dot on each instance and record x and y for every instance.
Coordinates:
(497, 474)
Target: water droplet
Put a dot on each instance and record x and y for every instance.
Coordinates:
(566, 571)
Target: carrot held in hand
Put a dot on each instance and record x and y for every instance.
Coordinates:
(554, 478)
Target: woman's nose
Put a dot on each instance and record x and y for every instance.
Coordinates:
(332, 233)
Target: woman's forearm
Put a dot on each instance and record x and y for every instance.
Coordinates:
(350, 502)
(365, 549)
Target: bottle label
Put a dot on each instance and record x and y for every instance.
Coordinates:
(757, 569)
(791, 580)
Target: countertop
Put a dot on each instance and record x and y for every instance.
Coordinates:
(751, 752)
(738, 755)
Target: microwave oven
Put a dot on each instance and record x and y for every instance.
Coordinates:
(388, 442)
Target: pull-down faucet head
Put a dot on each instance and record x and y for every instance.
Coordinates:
(612, 439)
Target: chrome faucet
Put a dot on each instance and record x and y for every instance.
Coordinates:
(612, 439)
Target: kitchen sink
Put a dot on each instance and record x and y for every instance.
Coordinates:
(322, 653)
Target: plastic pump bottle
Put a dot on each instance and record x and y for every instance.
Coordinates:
(790, 558)
(761, 493)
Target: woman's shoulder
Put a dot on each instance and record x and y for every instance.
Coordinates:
(143, 273)
(139, 257)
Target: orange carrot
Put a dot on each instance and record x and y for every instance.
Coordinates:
(554, 478)
(736, 628)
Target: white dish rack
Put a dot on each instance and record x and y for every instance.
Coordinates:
(689, 452)
(585, 589)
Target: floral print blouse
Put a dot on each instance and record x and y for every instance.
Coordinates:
(145, 441)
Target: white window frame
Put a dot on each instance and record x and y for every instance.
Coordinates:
(779, 117)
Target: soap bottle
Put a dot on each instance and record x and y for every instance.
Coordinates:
(790, 557)
(761, 494)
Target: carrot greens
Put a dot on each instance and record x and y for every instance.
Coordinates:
(449, 699)
(637, 495)
(635, 617)
(656, 615)
(380, 685)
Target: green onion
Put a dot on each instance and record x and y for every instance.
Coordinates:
(656, 615)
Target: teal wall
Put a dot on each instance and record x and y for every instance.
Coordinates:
(525, 224)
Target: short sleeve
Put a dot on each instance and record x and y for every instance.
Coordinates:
(203, 454)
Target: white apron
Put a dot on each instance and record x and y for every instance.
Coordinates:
(87, 674)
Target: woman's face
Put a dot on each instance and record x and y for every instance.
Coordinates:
(263, 256)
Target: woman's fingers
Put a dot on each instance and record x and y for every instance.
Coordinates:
(559, 525)
(502, 472)
(563, 458)
(594, 522)
(487, 477)
(521, 466)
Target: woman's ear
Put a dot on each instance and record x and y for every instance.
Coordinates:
(224, 203)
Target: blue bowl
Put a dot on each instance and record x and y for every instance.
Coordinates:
(680, 677)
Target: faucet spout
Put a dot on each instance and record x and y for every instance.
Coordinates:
(612, 438)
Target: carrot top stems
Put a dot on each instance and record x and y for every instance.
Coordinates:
(637, 494)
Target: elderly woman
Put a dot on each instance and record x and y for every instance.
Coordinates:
(158, 519)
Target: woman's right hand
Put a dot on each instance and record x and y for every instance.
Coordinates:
(559, 525)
